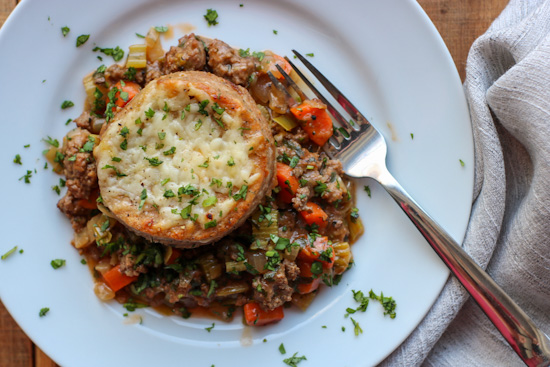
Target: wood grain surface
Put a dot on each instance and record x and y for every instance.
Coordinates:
(459, 22)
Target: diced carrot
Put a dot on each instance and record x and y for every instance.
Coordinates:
(173, 256)
(278, 60)
(305, 288)
(305, 268)
(287, 182)
(320, 251)
(130, 89)
(314, 215)
(116, 280)
(254, 315)
(317, 122)
(91, 202)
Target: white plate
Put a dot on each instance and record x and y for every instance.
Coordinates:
(385, 55)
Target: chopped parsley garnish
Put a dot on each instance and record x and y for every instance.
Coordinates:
(388, 303)
(124, 144)
(241, 194)
(43, 311)
(88, 147)
(275, 31)
(130, 74)
(216, 181)
(83, 262)
(210, 224)
(161, 29)
(412, 136)
(170, 151)
(57, 263)
(118, 174)
(132, 306)
(7, 254)
(169, 194)
(164, 182)
(367, 190)
(65, 31)
(198, 125)
(294, 360)
(356, 328)
(205, 164)
(116, 159)
(230, 162)
(202, 106)
(17, 159)
(216, 108)
(154, 161)
(212, 288)
(209, 201)
(52, 142)
(66, 104)
(142, 197)
(209, 329)
(162, 135)
(321, 188)
(124, 96)
(211, 17)
(310, 54)
(294, 161)
(149, 113)
(461, 162)
(80, 40)
(27, 177)
(56, 189)
(117, 53)
(282, 348)
(140, 35)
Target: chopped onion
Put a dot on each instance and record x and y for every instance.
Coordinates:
(103, 292)
(82, 239)
(257, 260)
(153, 45)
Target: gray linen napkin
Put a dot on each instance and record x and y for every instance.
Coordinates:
(508, 90)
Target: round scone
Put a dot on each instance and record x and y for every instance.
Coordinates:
(187, 160)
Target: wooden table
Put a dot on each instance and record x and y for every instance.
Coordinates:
(460, 22)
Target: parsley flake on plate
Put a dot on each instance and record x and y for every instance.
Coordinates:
(57, 263)
(65, 31)
(43, 311)
(211, 17)
(82, 39)
(66, 104)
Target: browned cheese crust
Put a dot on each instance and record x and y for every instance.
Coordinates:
(227, 158)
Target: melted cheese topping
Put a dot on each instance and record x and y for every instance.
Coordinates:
(186, 163)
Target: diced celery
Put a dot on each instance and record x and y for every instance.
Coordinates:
(286, 122)
(137, 57)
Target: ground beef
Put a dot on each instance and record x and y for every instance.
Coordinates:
(116, 73)
(153, 70)
(272, 289)
(78, 215)
(226, 62)
(128, 266)
(90, 122)
(188, 55)
(79, 167)
(84, 121)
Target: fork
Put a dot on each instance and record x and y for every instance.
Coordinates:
(362, 151)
